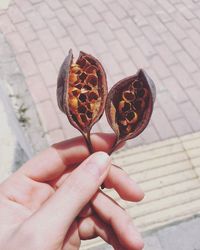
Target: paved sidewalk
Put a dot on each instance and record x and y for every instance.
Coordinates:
(182, 236)
(161, 36)
(169, 174)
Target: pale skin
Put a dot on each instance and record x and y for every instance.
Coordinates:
(54, 201)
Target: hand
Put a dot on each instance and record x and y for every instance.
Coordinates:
(51, 204)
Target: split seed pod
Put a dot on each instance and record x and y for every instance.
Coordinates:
(129, 106)
(82, 92)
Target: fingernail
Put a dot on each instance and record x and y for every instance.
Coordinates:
(98, 163)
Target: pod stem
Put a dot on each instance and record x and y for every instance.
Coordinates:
(88, 142)
(115, 145)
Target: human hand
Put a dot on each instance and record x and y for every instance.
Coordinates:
(50, 204)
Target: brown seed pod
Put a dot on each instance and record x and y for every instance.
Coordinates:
(129, 106)
(82, 92)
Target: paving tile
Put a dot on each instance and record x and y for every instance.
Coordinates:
(77, 35)
(182, 76)
(64, 17)
(111, 66)
(182, 21)
(68, 130)
(156, 24)
(45, 11)
(37, 88)
(116, 78)
(92, 14)
(191, 114)
(111, 20)
(185, 11)
(138, 58)
(97, 42)
(117, 50)
(150, 135)
(47, 39)
(194, 36)
(169, 106)
(195, 23)
(6, 26)
(131, 27)
(196, 77)
(73, 8)
(17, 43)
(15, 14)
(54, 4)
(27, 64)
(87, 49)
(35, 1)
(126, 5)
(104, 31)
(117, 10)
(167, 6)
(173, 44)
(159, 66)
(164, 16)
(35, 20)
(181, 126)
(143, 8)
(55, 136)
(26, 31)
(138, 18)
(124, 38)
(152, 243)
(143, 43)
(57, 56)
(56, 28)
(48, 73)
(176, 30)
(187, 62)
(48, 115)
(52, 93)
(191, 48)
(38, 51)
(128, 67)
(27, 6)
(66, 44)
(194, 95)
(162, 125)
(160, 87)
(99, 6)
(151, 35)
(175, 90)
(85, 24)
(167, 56)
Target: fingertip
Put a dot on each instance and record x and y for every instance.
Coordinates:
(136, 242)
(138, 193)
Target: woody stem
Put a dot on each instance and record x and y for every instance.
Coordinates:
(88, 142)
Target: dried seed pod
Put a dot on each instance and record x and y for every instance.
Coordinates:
(129, 106)
(82, 92)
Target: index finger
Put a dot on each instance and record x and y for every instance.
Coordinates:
(53, 161)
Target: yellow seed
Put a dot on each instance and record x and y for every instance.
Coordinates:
(135, 118)
(73, 78)
(121, 106)
(73, 103)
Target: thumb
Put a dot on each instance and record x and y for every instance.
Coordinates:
(58, 213)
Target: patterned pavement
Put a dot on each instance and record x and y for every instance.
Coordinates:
(161, 36)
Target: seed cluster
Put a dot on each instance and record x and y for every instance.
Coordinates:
(130, 107)
(83, 95)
